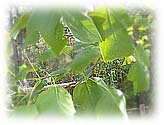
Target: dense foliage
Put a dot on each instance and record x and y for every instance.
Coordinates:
(77, 61)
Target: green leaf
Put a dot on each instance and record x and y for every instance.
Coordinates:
(78, 46)
(31, 37)
(55, 39)
(84, 58)
(100, 82)
(139, 75)
(98, 21)
(39, 22)
(121, 15)
(86, 96)
(25, 110)
(112, 103)
(116, 42)
(20, 23)
(43, 20)
(48, 23)
(55, 101)
(95, 98)
(46, 55)
(142, 55)
(99, 17)
(81, 25)
(139, 72)
(23, 73)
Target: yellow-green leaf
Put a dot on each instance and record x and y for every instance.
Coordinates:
(112, 27)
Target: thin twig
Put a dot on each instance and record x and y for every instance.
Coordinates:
(64, 85)
(32, 66)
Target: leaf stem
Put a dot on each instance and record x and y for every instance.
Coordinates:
(33, 67)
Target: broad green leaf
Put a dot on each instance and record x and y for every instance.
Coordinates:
(79, 45)
(48, 23)
(31, 37)
(142, 55)
(139, 75)
(55, 39)
(84, 58)
(55, 101)
(43, 20)
(112, 103)
(99, 17)
(25, 110)
(81, 25)
(112, 49)
(86, 96)
(121, 14)
(98, 20)
(94, 96)
(116, 42)
(46, 55)
(100, 82)
(39, 22)
(20, 23)
(139, 72)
